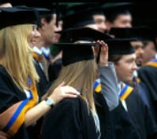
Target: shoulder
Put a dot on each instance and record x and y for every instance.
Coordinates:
(71, 106)
(72, 102)
(4, 76)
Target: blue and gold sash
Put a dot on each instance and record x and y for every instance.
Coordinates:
(12, 119)
(97, 86)
(125, 92)
(152, 63)
(37, 56)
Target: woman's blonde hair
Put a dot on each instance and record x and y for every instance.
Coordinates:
(16, 54)
(80, 75)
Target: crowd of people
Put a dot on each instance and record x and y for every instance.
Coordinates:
(76, 71)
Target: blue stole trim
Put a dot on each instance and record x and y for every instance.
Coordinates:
(125, 92)
(18, 111)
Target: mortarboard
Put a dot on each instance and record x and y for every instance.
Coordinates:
(73, 50)
(120, 46)
(84, 33)
(111, 10)
(122, 32)
(76, 52)
(15, 16)
(80, 15)
(138, 32)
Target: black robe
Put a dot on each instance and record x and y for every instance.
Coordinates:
(9, 95)
(141, 116)
(148, 78)
(69, 119)
(54, 69)
(106, 125)
(124, 127)
(43, 83)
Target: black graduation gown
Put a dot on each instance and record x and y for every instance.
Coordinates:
(124, 127)
(54, 69)
(69, 119)
(43, 83)
(141, 116)
(9, 95)
(148, 77)
(106, 125)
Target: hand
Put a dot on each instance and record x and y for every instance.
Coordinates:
(103, 59)
(62, 92)
(3, 135)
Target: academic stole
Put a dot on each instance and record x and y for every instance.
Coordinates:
(41, 58)
(152, 63)
(12, 119)
(125, 92)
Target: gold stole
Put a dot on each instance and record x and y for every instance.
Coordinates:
(12, 119)
(125, 92)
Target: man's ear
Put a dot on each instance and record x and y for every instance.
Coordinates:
(43, 22)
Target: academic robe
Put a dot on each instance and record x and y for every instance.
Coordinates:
(54, 69)
(141, 116)
(148, 79)
(69, 119)
(106, 125)
(43, 83)
(124, 127)
(9, 95)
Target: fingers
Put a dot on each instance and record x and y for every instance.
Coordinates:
(70, 90)
(70, 96)
(62, 84)
(3, 135)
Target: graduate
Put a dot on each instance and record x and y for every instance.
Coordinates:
(21, 106)
(122, 54)
(147, 76)
(132, 118)
(77, 50)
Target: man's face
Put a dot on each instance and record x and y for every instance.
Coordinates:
(57, 36)
(100, 22)
(47, 31)
(138, 46)
(149, 52)
(125, 67)
(123, 21)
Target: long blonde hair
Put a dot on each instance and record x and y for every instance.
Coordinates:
(80, 75)
(16, 54)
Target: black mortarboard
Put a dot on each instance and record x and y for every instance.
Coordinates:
(15, 16)
(120, 46)
(80, 15)
(111, 10)
(84, 34)
(139, 32)
(73, 50)
(76, 52)
(78, 19)
(122, 32)
(146, 33)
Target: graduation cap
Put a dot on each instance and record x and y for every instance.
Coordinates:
(138, 32)
(80, 15)
(14, 16)
(84, 34)
(73, 49)
(73, 52)
(78, 19)
(112, 10)
(120, 46)
(122, 32)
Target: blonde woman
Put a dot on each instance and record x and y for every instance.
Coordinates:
(20, 104)
(75, 118)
